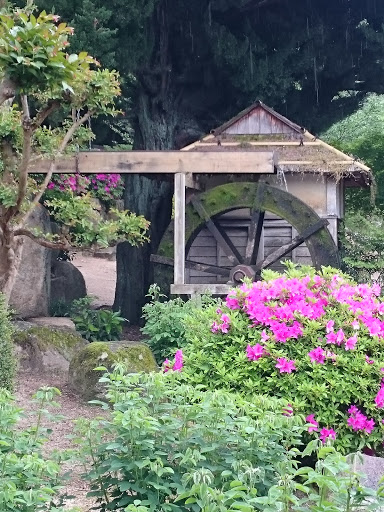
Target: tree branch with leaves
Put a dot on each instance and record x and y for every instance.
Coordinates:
(39, 78)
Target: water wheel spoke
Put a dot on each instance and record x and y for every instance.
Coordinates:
(285, 249)
(254, 237)
(194, 265)
(219, 234)
(255, 227)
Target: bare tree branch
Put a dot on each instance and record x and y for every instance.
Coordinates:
(63, 245)
(7, 90)
(68, 136)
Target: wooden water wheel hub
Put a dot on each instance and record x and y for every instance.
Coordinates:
(240, 272)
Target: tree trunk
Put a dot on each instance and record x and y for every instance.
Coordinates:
(152, 198)
(10, 257)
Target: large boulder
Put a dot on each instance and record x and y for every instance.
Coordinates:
(84, 380)
(67, 282)
(46, 349)
(30, 294)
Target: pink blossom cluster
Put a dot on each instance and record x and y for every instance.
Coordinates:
(74, 182)
(379, 399)
(256, 352)
(358, 421)
(177, 364)
(222, 325)
(285, 365)
(325, 433)
(105, 182)
(318, 355)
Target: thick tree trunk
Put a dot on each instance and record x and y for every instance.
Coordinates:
(152, 198)
(10, 257)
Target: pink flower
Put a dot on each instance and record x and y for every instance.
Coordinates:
(256, 352)
(327, 433)
(379, 399)
(350, 344)
(214, 327)
(358, 421)
(311, 419)
(51, 185)
(317, 355)
(355, 324)
(369, 361)
(339, 337)
(353, 409)
(232, 303)
(167, 365)
(264, 336)
(178, 361)
(329, 326)
(284, 365)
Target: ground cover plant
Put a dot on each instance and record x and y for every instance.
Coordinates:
(315, 339)
(29, 480)
(7, 359)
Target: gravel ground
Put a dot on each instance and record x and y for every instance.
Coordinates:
(71, 408)
(100, 277)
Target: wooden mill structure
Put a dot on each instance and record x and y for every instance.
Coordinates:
(255, 191)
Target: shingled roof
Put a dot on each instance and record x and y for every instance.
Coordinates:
(260, 128)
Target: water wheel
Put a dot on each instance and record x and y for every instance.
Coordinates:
(204, 210)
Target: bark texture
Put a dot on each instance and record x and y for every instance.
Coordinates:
(152, 198)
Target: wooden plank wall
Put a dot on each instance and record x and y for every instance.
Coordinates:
(260, 122)
(276, 232)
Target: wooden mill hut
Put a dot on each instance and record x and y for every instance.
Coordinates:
(236, 224)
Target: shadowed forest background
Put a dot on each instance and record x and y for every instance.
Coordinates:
(187, 67)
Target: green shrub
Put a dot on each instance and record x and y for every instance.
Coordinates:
(165, 436)
(164, 321)
(170, 447)
(7, 357)
(96, 324)
(271, 338)
(29, 481)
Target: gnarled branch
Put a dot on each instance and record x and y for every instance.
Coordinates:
(63, 245)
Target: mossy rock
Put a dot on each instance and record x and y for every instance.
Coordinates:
(84, 380)
(46, 350)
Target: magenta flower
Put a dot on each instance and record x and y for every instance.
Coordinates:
(358, 421)
(327, 433)
(314, 424)
(329, 326)
(288, 410)
(369, 361)
(284, 365)
(355, 324)
(51, 185)
(167, 365)
(379, 399)
(232, 303)
(350, 344)
(178, 365)
(317, 355)
(256, 352)
(264, 336)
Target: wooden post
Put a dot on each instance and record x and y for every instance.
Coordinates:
(179, 234)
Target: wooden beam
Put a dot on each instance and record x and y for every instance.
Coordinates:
(195, 265)
(255, 228)
(163, 162)
(179, 234)
(200, 289)
(256, 143)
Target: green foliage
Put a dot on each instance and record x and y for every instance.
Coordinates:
(363, 245)
(166, 438)
(7, 359)
(80, 217)
(96, 325)
(164, 321)
(29, 480)
(219, 360)
(173, 447)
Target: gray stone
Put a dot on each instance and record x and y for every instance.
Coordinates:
(30, 294)
(371, 467)
(67, 282)
(46, 350)
(84, 380)
(53, 322)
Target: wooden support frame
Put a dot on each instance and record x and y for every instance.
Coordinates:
(163, 162)
(179, 240)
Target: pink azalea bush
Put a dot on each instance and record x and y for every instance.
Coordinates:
(315, 339)
(106, 187)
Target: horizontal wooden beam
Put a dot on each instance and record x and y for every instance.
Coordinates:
(257, 143)
(200, 289)
(163, 162)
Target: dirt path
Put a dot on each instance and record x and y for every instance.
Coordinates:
(71, 408)
(100, 277)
